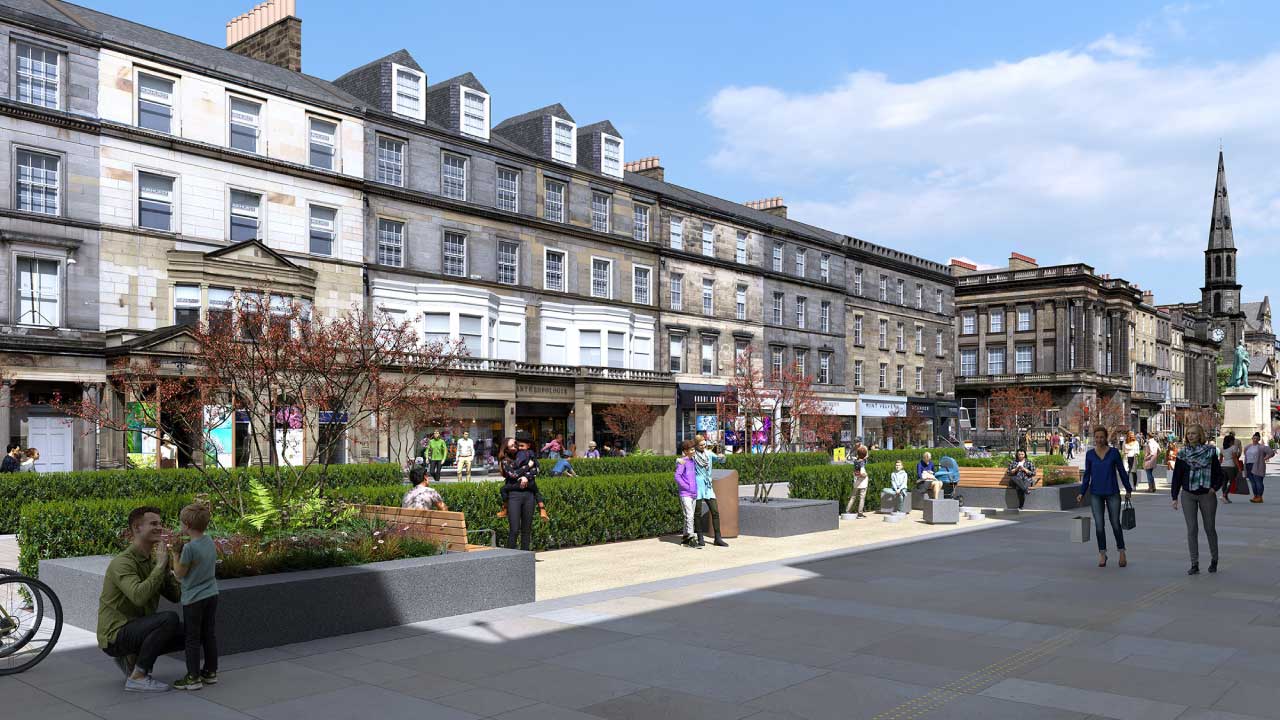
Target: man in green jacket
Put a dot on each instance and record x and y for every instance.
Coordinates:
(129, 628)
(437, 451)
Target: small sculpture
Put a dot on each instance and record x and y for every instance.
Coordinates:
(1240, 368)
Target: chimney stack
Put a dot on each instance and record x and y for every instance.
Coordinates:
(773, 206)
(1148, 297)
(271, 32)
(960, 267)
(650, 167)
(1018, 261)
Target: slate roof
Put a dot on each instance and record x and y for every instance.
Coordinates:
(185, 50)
(604, 126)
(465, 79)
(1257, 316)
(557, 110)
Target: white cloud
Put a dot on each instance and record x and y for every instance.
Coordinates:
(1120, 47)
(1101, 154)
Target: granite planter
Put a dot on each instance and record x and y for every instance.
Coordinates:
(1053, 497)
(272, 610)
(782, 517)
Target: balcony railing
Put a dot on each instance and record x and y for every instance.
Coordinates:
(1043, 378)
(487, 365)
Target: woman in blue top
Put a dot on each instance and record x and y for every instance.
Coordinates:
(706, 494)
(1104, 473)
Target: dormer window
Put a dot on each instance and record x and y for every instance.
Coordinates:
(611, 156)
(564, 141)
(408, 87)
(475, 113)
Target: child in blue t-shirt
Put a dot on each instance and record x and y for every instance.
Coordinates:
(195, 570)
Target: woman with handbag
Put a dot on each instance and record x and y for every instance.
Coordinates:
(1197, 476)
(1104, 473)
(1022, 475)
(1230, 465)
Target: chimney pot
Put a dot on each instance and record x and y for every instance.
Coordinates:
(1018, 261)
(650, 167)
(774, 206)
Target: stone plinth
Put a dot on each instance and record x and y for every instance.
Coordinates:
(1241, 413)
(941, 512)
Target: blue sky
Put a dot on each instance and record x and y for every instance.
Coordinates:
(1085, 131)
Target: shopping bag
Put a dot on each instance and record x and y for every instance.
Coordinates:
(1128, 516)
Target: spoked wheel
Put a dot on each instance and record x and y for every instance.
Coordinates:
(30, 622)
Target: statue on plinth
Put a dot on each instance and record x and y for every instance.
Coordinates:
(1240, 368)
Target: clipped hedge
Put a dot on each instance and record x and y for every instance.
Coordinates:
(71, 528)
(781, 464)
(583, 510)
(911, 456)
(835, 482)
(20, 489)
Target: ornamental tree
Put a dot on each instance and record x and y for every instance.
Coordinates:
(771, 410)
(629, 419)
(1014, 408)
(299, 383)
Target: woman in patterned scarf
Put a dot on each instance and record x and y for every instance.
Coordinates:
(1197, 476)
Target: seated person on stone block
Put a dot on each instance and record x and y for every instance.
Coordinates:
(898, 484)
(925, 469)
(927, 481)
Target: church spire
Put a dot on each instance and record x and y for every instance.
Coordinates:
(1220, 237)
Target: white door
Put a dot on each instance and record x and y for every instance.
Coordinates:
(52, 437)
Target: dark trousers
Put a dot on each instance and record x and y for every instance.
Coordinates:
(1108, 505)
(713, 509)
(435, 469)
(148, 638)
(520, 504)
(198, 622)
(1196, 508)
(1256, 483)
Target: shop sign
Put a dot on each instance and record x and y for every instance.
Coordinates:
(881, 408)
(527, 389)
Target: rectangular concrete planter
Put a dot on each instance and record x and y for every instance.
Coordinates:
(1054, 497)
(272, 610)
(782, 517)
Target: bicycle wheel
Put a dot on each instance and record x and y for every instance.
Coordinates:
(30, 622)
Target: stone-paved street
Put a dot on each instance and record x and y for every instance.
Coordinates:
(1008, 622)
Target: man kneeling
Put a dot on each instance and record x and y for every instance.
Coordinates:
(129, 628)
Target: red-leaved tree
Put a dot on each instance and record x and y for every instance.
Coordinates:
(629, 419)
(1017, 408)
(299, 383)
(771, 410)
(903, 428)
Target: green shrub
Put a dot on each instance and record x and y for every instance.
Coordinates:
(583, 510)
(19, 489)
(71, 528)
(781, 465)
(835, 482)
(910, 456)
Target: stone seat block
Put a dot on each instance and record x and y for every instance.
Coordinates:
(940, 512)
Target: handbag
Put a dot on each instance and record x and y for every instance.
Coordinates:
(1128, 516)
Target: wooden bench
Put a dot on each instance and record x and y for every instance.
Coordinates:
(999, 477)
(442, 526)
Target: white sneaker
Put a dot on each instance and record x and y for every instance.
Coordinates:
(147, 684)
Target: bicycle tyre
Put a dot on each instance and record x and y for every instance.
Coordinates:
(37, 589)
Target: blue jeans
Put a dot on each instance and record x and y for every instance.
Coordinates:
(1108, 505)
(1255, 482)
(1151, 478)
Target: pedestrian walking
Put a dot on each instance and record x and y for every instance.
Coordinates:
(465, 452)
(1103, 475)
(1196, 479)
(1231, 464)
(858, 498)
(1255, 464)
(437, 451)
(1131, 449)
(1149, 458)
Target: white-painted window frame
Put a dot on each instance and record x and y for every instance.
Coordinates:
(420, 113)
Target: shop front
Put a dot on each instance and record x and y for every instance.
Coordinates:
(946, 421)
(545, 410)
(847, 411)
(873, 411)
(925, 426)
(697, 413)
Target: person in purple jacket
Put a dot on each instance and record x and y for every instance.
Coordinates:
(687, 483)
(1104, 473)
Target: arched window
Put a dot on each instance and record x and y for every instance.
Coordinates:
(1228, 266)
(1217, 302)
(1206, 267)
(1217, 266)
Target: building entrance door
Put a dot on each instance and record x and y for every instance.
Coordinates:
(52, 437)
